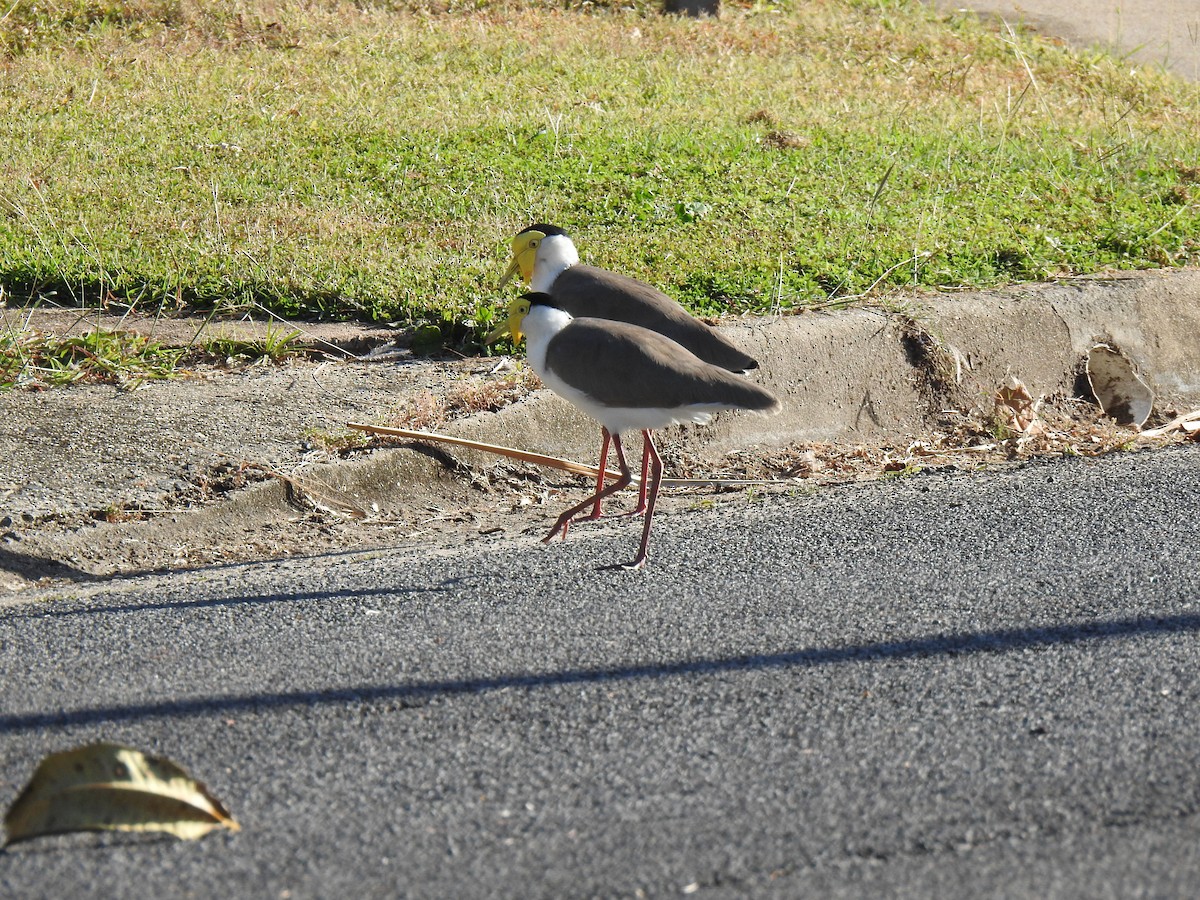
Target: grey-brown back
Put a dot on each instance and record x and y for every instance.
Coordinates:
(626, 366)
(598, 293)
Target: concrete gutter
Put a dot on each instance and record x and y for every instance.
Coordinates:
(864, 375)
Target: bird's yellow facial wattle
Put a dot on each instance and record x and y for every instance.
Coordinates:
(524, 248)
(517, 311)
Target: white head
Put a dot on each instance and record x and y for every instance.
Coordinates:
(536, 318)
(541, 253)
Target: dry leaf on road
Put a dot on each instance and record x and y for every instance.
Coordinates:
(107, 787)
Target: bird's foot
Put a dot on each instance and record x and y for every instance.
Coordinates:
(634, 566)
(560, 527)
(639, 510)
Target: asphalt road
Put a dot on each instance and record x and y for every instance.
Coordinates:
(942, 685)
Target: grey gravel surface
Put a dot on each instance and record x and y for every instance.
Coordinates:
(944, 685)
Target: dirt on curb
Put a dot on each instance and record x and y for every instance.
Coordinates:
(231, 464)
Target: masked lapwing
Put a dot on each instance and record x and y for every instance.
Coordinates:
(628, 378)
(545, 256)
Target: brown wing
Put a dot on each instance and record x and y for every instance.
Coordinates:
(622, 365)
(598, 293)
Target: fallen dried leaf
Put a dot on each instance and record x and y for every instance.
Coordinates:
(1017, 408)
(107, 787)
(1189, 422)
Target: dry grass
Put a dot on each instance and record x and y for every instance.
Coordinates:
(35, 361)
(429, 411)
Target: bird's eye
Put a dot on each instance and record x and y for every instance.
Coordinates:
(533, 244)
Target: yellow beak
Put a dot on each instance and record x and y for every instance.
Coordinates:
(500, 331)
(524, 249)
(513, 268)
(512, 325)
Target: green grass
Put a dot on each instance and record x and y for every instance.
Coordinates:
(32, 360)
(373, 162)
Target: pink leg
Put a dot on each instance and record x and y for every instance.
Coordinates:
(656, 479)
(564, 521)
(641, 504)
(600, 478)
(648, 451)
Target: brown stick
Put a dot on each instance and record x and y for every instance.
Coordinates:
(554, 462)
(540, 459)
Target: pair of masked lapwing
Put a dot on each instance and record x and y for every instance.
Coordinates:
(623, 353)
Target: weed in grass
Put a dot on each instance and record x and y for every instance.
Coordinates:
(277, 345)
(897, 470)
(29, 359)
(341, 440)
(115, 513)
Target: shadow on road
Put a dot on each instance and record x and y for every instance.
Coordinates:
(419, 691)
(31, 567)
(41, 612)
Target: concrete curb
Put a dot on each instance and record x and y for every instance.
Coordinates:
(852, 377)
(865, 376)
(1147, 33)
